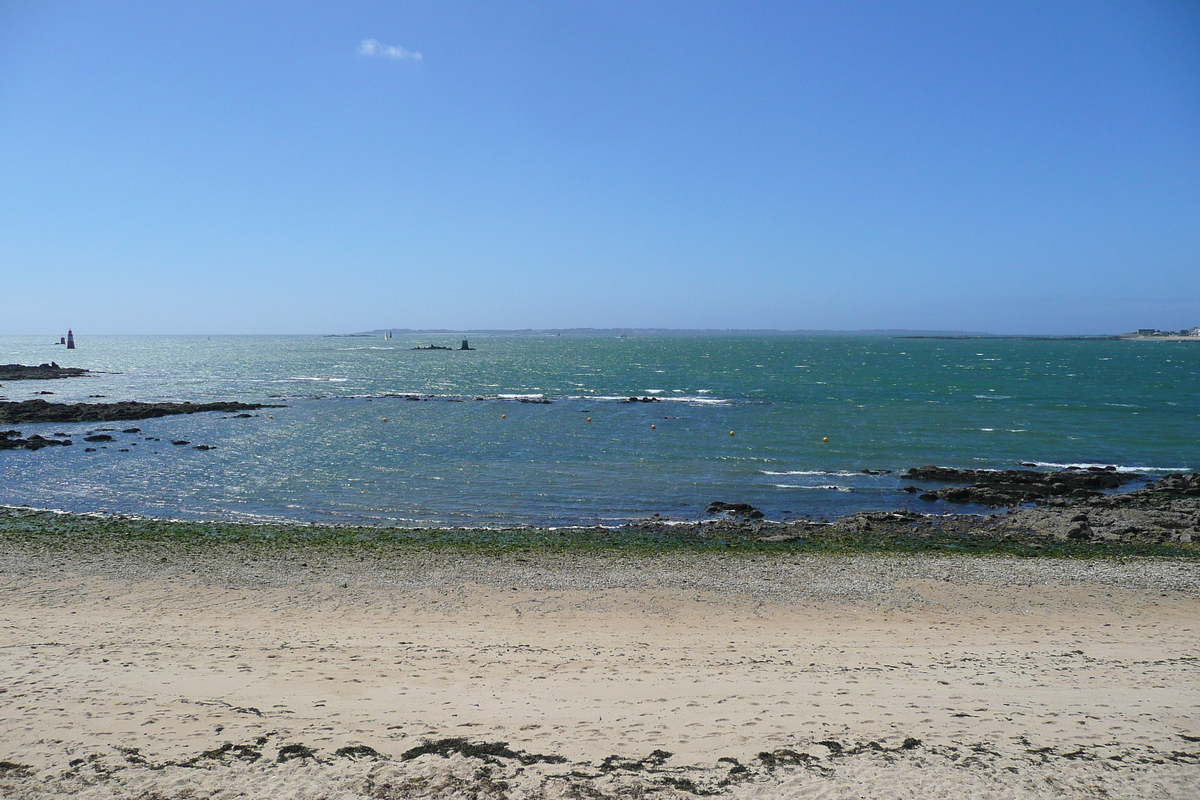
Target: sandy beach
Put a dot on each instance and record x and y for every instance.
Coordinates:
(157, 671)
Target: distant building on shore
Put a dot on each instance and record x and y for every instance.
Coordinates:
(1155, 333)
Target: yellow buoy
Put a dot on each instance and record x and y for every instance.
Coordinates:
(731, 433)
(653, 427)
(385, 419)
(504, 416)
(826, 439)
(589, 419)
(270, 416)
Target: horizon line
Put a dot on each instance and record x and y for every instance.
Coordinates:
(930, 332)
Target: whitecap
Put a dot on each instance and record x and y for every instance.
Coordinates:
(308, 379)
(839, 472)
(1119, 467)
(831, 487)
(691, 399)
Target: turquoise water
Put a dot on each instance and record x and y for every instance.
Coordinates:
(472, 454)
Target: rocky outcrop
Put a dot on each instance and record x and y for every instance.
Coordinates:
(743, 510)
(16, 413)
(1000, 488)
(11, 440)
(42, 372)
(1169, 488)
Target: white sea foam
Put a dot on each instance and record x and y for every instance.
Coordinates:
(839, 472)
(832, 487)
(520, 396)
(309, 379)
(702, 401)
(1120, 467)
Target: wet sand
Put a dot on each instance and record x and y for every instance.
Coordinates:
(126, 670)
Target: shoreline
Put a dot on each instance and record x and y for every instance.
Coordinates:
(1158, 519)
(1030, 533)
(183, 667)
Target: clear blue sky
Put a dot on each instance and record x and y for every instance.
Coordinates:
(226, 167)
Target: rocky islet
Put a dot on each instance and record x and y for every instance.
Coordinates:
(42, 372)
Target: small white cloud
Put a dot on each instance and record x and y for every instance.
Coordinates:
(371, 47)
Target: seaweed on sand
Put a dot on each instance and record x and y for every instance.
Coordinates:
(486, 751)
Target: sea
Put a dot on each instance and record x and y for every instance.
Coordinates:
(538, 429)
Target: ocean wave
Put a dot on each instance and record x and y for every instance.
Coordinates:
(994, 396)
(1119, 467)
(841, 473)
(832, 487)
(690, 399)
(308, 379)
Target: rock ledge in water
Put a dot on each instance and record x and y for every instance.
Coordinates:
(20, 372)
(12, 413)
(1012, 487)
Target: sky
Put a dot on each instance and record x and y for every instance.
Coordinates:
(311, 167)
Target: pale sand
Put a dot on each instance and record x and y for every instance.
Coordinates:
(1021, 678)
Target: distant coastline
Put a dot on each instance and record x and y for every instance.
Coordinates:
(890, 332)
(895, 333)
(1137, 337)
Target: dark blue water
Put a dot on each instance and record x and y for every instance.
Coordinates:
(469, 453)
